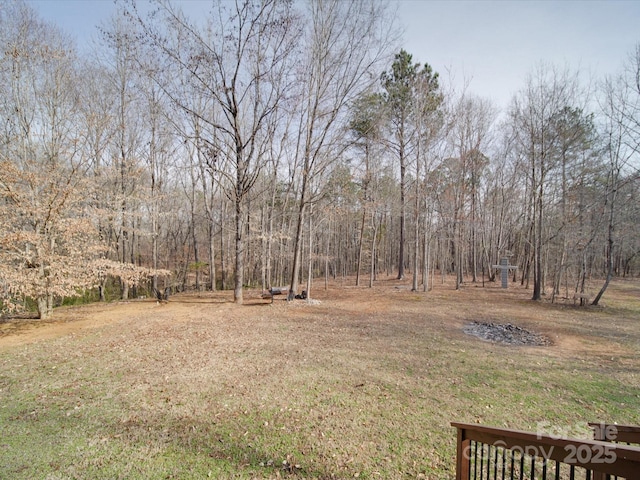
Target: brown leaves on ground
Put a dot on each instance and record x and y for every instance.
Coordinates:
(359, 381)
(344, 307)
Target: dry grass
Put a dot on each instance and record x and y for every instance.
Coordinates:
(363, 384)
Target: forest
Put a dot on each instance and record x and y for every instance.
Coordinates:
(275, 143)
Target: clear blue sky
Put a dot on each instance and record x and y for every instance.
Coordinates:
(494, 44)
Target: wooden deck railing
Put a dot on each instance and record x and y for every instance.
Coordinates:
(487, 453)
(610, 432)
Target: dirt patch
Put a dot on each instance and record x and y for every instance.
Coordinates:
(506, 333)
(69, 321)
(571, 331)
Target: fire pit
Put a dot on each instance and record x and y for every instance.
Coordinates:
(505, 333)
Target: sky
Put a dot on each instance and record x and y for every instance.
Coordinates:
(491, 46)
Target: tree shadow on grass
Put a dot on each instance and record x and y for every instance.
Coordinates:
(208, 446)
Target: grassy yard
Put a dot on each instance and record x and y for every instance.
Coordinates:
(363, 384)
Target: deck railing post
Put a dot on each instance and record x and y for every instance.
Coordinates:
(599, 433)
(463, 456)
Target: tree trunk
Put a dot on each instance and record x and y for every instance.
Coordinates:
(455, 249)
(196, 251)
(212, 257)
(43, 308)
(310, 270)
(425, 258)
(239, 252)
(474, 236)
(125, 290)
(402, 215)
(416, 246)
(537, 250)
(154, 249)
(297, 249)
(297, 253)
(223, 269)
(372, 272)
(610, 243)
(360, 245)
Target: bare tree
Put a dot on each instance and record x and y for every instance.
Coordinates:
(345, 44)
(621, 108)
(240, 60)
(548, 91)
(96, 113)
(577, 149)
(127, 137)
(366, 123)
(159, 147)
(469, 127)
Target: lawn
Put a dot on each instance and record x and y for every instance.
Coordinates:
(362, 384)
